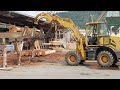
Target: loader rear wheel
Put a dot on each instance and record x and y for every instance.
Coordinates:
(105, 59)
(72, 58)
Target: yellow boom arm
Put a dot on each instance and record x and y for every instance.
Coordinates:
(68, 24)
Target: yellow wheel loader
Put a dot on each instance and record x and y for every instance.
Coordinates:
(99, 43)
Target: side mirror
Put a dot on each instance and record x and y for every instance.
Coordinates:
(111, 29)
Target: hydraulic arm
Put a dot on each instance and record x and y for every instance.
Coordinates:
(68, 24)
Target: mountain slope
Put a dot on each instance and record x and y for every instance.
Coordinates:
(80, 18)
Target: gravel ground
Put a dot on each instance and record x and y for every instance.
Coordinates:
(54, 67)
(59, 70)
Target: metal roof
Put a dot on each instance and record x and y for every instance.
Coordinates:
(16, 19)
(113, 13)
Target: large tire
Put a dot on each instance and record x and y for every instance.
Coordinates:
(105, 59)
(72, 58)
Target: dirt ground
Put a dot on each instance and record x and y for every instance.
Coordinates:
(54, 67)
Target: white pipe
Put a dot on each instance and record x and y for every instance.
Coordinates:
(111, 29)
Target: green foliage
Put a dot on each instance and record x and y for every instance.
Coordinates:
(80, 18)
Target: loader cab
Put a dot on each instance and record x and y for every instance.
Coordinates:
(97, 34)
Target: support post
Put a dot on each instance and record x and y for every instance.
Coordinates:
(55, 32)
(19, 48)
(3, 40)
(4, 57)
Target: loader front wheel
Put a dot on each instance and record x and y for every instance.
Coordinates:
(105, 59)
(72, 58)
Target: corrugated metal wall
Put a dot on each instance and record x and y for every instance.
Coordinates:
(113, 19)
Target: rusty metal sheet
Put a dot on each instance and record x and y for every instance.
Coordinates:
(10, 34)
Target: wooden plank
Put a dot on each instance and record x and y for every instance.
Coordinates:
(19, 50)
(37, 45)
(47, 43)
(6, 68)
(53, 51)
(56, 42)
(4, 57)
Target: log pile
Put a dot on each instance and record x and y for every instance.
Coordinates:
(37, 53)
(14, 29)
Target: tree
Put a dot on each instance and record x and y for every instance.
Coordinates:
(80, 18)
